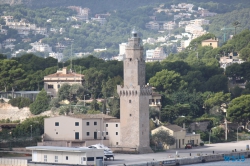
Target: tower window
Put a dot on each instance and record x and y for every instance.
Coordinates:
(130, 114)
(129, 101)
(130, 59)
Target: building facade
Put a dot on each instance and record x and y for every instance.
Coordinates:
(211, 42)
(157, 54)
(81, 130)
(53, 155)
(53, 82)
(181, 137)
(134, 98)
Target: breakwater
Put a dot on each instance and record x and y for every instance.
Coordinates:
(199, 158)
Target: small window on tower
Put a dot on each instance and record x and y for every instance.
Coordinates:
(130, 114)
(129, 101)
(130, 59)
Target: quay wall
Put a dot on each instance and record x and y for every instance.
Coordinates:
(200, 158)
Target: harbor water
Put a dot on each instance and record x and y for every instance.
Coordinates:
(224, 163)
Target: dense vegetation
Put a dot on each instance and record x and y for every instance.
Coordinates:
(220, 6)
(118, 26)
(192, 84)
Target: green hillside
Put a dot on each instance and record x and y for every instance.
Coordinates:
(226, 20)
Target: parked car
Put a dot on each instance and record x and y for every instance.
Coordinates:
(188, 146)
(107, 152)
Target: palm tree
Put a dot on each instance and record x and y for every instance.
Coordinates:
(236, 24)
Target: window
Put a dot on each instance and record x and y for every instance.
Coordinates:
(141, 133)
(107, 125)
(56, 159)
(67, 157)
(58, 86)
(95, 123)
(116, 125)
(45, 158)
(107, 133)
(129, 101)
(56, 123)
(56, 132)
(130, 114)
(76, 123)
(50, 86)
(116, 133)
(182, 141)
(83, 159)
(99, 158)
(76, 135)
(87, 123)
(87, 133)
(117, 143)
(90, 158)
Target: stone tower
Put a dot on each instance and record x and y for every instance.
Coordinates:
(134, 99)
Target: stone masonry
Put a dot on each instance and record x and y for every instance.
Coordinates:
(134, 99)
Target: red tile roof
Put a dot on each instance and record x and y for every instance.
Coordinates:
(65, 75)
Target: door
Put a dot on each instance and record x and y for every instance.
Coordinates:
(34, 156)
(76, 135)
(95, 135)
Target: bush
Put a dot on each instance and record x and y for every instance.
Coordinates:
(20, 102)
(41, 103)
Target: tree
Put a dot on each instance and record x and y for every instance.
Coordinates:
(245, 54)
(236, 24)
(10, 73)
(41, 103)
(63, 92)
(162, 138)
(239, 109)
(217, 83)
(20, 102)
(167, 81)
(217, 99)
(234, 71)
(183, 120)
(93, 81)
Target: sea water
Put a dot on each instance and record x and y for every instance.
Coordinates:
(225, 163)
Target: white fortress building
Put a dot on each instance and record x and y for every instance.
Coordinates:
(134, 99)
